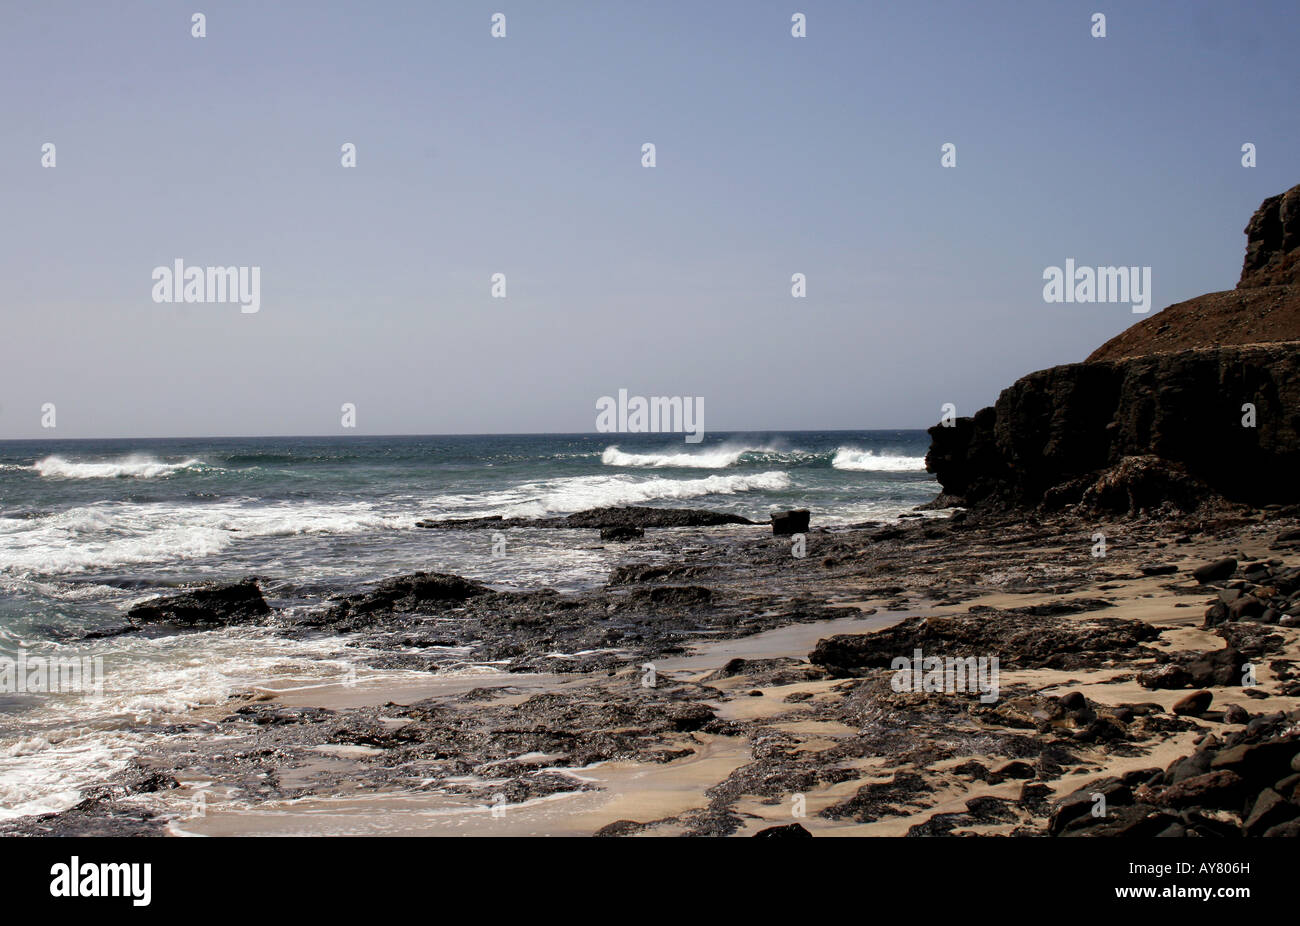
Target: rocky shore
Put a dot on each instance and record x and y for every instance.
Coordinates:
(1102, 641)
(717, 684)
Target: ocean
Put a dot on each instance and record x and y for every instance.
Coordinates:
(89, 528)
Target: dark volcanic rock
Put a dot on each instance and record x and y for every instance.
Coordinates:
(416, 592)
(795, 830)
(1270, 810)
(631, 516)
(1061, 436)
(1216, 668)
(1166, 676)
(1216, 571)
(236, 603)
(671, 596)
(636, 516)
(1143, 483)
(1019, 640)
(1244, 786)
(941, 501)
(785, 523)
(621, 533)
(637, 573)
(1213, 789)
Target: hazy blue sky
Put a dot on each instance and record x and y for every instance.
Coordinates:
(522, 155)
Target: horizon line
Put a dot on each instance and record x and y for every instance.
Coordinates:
(611, 435)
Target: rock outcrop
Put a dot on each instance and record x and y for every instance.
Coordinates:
(638, 516)
(417, 593)
(1180, 408)
(1273, 243)
(236, 603)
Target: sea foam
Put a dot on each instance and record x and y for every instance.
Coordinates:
(712, 458)
(118, 534)
(141, 467)
(579, 493)
(717, 458)
(847, 458)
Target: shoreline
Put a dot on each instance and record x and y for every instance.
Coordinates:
(740, 730)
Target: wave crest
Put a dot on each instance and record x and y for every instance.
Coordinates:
(708, 459)
(868, 461)
(140, 467)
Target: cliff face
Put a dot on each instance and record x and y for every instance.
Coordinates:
(1155, 417)
(1273, 242)
(1051, 435)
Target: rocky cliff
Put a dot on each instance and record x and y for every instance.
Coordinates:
(1201, 399)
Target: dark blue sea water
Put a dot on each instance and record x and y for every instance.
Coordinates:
(87, 528)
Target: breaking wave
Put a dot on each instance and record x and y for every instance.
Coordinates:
(140, 467)
(847, 458)
(578, 493)
(707, 459)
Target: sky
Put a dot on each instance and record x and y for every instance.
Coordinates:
(522, 155)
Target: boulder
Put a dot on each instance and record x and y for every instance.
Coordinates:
(417, 592)
(1195, 704)
(1219, 668)
(1073, 701)
(1236, 714)
(1223, 788)
(1216, 571)
(1169, 675)
(1263, 762)
(785, 523)
(215, 605)
(1270, 809)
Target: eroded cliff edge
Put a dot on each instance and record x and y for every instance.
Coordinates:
(1198, 401)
